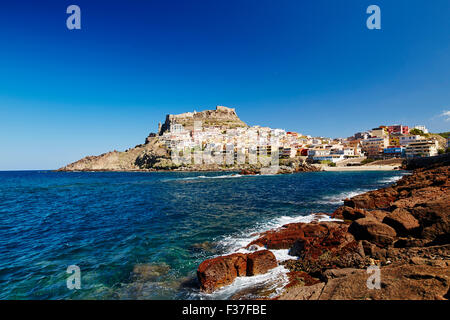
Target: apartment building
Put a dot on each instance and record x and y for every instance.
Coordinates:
(394, 140)
(374, 147)
(378, 132)
(405, 140)
(394, 152)
(424, 148)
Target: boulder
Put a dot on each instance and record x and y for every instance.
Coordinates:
(348, 213)
(220, 271)
(402, 221)
(377, 214)
(378, 199)
(285, 237)
(260, 262)
(335, 248)
(434, 219)
(372, 230)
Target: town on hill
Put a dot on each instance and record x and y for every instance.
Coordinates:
(218, 140)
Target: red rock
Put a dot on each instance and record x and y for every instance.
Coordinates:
(348, 213)
(300, 278)
(260, 262)
(248, 172)
(434, 219)
(372, 230)
(284, 237)
(352, 214)
(220, 271)
(377, 199)
(377, 214)
(402, 221)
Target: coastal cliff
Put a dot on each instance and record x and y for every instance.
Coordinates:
(402, 229)
(154, 155)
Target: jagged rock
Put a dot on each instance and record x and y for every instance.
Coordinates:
(405, 282)
(434, 219)
(377, 199)
(373, 251)
(260, 262)
(414, 265)
(352, 214)
(300, 278)
(220, 271)
(402, 221)
(348, 213)
(284, 237)
(372, 230)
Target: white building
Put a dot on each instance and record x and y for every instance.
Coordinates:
(421, 128)
(405, 140)
(332, 157)
(318, 152)
(424, 148)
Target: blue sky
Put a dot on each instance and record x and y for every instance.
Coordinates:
(306, 66)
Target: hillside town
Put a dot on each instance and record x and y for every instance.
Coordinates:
(218, 140)
(244, 142)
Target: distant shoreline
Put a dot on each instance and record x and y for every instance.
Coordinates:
(362, 168)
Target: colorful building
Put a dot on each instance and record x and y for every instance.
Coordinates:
(398, 128)
(394, 152)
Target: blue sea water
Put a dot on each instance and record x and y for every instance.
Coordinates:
(107, 223)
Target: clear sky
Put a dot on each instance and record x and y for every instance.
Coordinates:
(306, 66)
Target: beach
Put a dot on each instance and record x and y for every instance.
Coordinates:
(362, 168)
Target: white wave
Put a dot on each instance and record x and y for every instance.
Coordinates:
(339, 198)
(237, 243)
(391, 179)
(275, 280)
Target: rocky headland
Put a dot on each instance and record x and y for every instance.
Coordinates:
(403, 229)
(154, 155)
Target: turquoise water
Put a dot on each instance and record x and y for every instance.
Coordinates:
(107, 223)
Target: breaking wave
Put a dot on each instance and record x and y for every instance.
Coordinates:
(340, 197)
(275, 279)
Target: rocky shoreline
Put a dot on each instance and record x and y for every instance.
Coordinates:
(403, 229)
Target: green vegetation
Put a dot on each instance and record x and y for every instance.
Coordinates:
(368, 160)
(419, 132)
(329, 162)
(444, 134)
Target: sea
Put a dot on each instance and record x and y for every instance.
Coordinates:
(142, 235)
